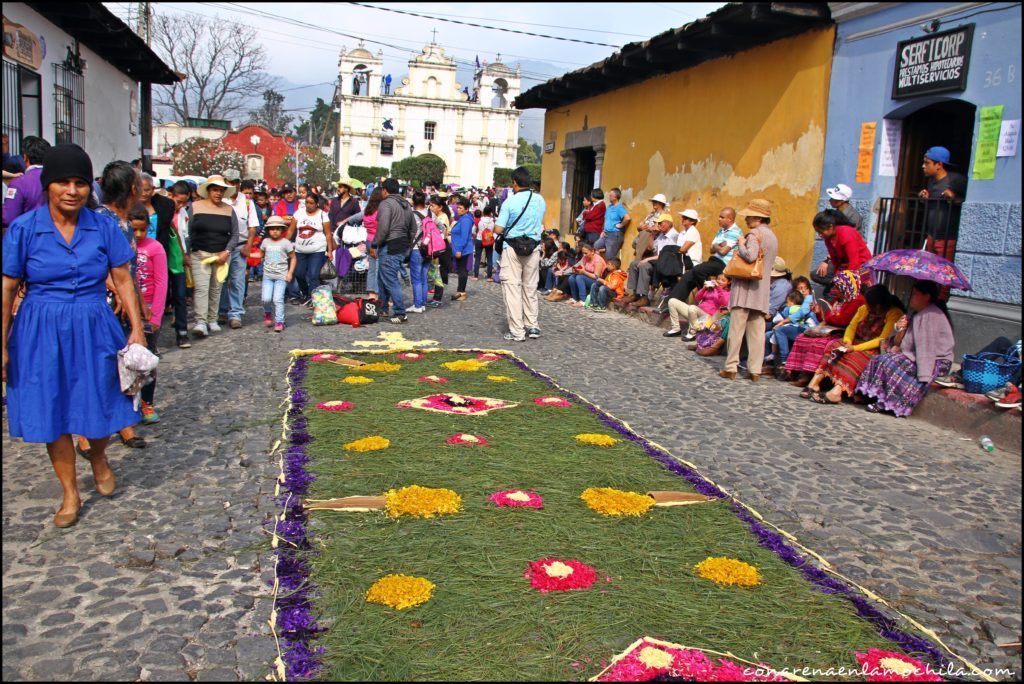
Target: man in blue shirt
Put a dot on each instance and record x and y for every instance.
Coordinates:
(616, 219)
(521, 216)
(722, 249)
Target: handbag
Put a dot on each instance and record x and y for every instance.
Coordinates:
(669, 265)
(328, 272)
(986, 372)
(499, 244)
(739, 268)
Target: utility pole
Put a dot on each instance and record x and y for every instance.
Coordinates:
(144, 22)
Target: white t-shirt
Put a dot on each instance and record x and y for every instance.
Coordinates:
(309, 232)
(665, 239)
(691, 234)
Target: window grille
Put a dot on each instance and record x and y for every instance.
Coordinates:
(69, 106)
(428, 130)
(387, 146)
(22, 104)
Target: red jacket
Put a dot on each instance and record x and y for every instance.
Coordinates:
(593, 218)
(841, 317)
(847, 249)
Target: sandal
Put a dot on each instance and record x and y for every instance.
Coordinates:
(819, 398)
(84, 453)
(806, 393)
(135, 442)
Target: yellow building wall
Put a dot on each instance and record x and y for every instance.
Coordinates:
(718, 134)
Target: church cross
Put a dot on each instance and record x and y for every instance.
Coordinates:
(434, 39)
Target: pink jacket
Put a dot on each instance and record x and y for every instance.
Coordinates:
(151, 274)
(710, 301)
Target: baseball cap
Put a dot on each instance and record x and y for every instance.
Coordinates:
(287, 188)
(665, 216)
(840, 192)
(937, 154)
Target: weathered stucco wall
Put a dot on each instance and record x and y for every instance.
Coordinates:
(719, 134)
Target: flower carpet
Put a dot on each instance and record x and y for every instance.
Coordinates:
(536, 554)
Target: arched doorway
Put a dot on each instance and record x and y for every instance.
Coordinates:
(499, 90)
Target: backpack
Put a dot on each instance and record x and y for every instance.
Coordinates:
(356, 312)
(432, 241)
(324, 311)
(487, 237)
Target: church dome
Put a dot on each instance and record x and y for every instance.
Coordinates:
(360, 53)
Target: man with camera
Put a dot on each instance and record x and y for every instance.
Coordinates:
(519, 227)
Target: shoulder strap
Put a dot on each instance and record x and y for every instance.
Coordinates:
(512, 225)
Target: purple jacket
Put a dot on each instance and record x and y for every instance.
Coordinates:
(929, 339)
(24, 194)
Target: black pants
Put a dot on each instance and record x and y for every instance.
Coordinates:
(149, 391)
(444, 267)
(462, 268)
(179, 301)
(480, 249)
(712, 268)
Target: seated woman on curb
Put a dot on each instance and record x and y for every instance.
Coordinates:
(899, 377)
(558, 276)
(585, 274)
(809, 347)
(846, 359)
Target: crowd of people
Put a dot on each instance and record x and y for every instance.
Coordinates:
(92, 264)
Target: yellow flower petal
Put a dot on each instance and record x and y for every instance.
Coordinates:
(596, 439)
(381, 367)
(357, 380)
(375, 443)
(400, 591)
(469, 365)
(655, 657)
(518, 496)
(422, 502)
(608, 501)
(728, 572)
(558, 569)
(897, 666)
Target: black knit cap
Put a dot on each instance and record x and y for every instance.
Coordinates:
(65, 161)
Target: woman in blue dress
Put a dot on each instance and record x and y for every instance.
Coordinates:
(60, 351)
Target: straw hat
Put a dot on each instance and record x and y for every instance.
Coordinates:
(229, 190)
(779, 268)
(757, 207)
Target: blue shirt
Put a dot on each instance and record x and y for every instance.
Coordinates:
(731, 236)
(532, 222)
(35, 251)
(612, 215)
(462, 235)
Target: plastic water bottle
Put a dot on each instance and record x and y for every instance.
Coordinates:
(986, 443)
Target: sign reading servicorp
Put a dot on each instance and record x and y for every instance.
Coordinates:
(933, 64)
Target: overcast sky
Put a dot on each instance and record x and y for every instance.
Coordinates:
(307, 55)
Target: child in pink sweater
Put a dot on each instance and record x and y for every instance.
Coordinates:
(710, 299)
(151, 277)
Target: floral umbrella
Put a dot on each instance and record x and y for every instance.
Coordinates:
(921, 265)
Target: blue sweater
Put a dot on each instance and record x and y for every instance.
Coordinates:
(462, 235)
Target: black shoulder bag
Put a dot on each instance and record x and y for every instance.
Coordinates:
(522, 245)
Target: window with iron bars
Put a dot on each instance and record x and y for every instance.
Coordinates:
(69, 106)
(387, 146)
(428, 130)
(23, 112)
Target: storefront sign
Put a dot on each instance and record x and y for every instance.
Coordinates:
(933, 64)
(866, 151)
(22, 45)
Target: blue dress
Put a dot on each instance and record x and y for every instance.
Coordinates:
(62, 369)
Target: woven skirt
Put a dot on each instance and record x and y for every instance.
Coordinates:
(891, 379)
(807, 353)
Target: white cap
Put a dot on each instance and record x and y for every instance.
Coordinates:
(690, 214)
(660, 198)
(840, 192)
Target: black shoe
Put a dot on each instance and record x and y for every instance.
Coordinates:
(222, 318)
(873, 408)
(398, 320)
(84, 453)
(533, 333)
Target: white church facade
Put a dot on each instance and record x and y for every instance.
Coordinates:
(428, 111)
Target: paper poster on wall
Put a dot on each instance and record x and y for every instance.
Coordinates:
(1009, 133)
(564, 175)
(597, 178)
(988, 142)
(888, 157)
(866, 151)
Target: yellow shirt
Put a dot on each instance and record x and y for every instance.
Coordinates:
(891, 316)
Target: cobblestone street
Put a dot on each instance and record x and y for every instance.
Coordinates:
(167, 580)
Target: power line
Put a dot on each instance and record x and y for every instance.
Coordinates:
(523, 23)
(483, 26)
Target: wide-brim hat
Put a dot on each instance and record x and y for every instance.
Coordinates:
(757, 207)
(353, 183)
(840, 192)
(229, 190)
(660, 198)
(779, 268)
(690, 214)
(276, 222)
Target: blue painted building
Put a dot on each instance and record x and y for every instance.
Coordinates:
(870, 42)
